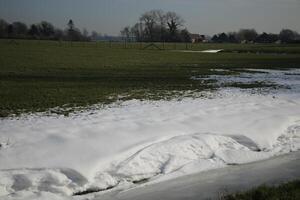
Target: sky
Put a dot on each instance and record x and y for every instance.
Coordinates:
(201, 16)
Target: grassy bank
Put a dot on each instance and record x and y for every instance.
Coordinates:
(288, 191)
(38, 75)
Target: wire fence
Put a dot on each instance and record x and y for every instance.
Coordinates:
(109, 44)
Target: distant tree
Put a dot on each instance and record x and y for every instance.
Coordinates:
(77, 35)
(70, 30)
(149, 19)
(185, 36)
(215, 38)
(73, 33)
(126, 33)
(223, 37)
(157, 26)
(232, 37)
(287, 35)
(137, 32)
(273, 37)
(174, 21)
(162, 21)
(248, 35)
(34, 31)
(267, 38)
(94, 35)
(220, 38)
(19, 29)
(85, 33)
(71, 25)
(10, 31)
(58, 34)
(3, 28)
(46, 30)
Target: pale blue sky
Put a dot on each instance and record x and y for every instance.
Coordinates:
(201, 16)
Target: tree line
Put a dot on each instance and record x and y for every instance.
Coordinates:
(160, 26)
(251, 36)
(43, 31)
(152, 26)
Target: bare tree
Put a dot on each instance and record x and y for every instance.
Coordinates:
(137, 31)
(156, 25)
(149, 19)
(125, 33)
(174, 21)
(161, 23)
(85, 32)
(94, 35)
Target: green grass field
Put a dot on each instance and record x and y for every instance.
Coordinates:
(287, 191)
(38, 75)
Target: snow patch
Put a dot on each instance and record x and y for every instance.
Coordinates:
(212, 51)
(56, 181)
(205, 51)
(288, 79)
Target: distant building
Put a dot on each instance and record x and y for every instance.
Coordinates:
(197, 38)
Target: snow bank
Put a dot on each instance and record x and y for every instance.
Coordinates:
(171, 155)
(55, 156)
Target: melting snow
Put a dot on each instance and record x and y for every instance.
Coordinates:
(205, 51)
